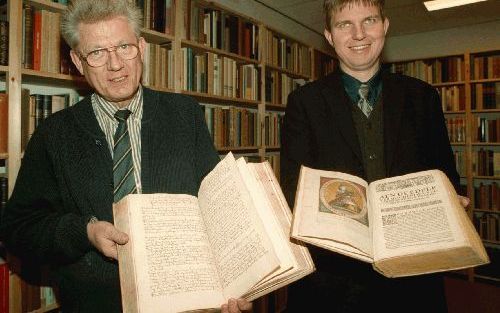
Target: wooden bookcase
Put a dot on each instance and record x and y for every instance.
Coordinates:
(240, 44)
(469, 85)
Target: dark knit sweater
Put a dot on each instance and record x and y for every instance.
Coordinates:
(370, 132)
(66, 176)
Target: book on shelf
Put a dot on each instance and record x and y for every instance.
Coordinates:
(4, 285)
(4, 118)
(404, 225)
(186, 252)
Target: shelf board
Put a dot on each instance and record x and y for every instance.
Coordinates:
(49, 308)
(485, 80)
(486, 211)
(203, 47)
(494, 243)
(156, 37)
(496, 279)
(47, 5)
(4, 68)
(221, 99)
(4, 156)
(454, 112)
(273, 148)
(457, 143)
(288, 72)
(486, 177)
(163, 89)
(486, 111)
(276, 107)
(445, 84)
(237, 149)
(486, 143)
(38, 77)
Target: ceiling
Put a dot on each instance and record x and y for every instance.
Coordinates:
(406, 16)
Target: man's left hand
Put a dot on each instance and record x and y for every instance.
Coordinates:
(236, 306)
(464, 201)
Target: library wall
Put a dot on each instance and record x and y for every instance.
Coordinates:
(480, 37)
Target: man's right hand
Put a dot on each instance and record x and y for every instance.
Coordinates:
(104, 236)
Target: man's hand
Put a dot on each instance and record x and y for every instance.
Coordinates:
(236, 306)
(104, 236)
(464, 201)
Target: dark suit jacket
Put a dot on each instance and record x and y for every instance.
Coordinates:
(319, 132)
(67, 176)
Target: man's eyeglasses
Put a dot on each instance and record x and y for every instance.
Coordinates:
(100, 57)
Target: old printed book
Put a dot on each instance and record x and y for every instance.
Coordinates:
(187, 253)
(405, 225)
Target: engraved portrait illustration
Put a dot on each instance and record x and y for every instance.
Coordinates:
(341, 197)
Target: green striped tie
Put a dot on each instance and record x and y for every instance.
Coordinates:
(123, 167)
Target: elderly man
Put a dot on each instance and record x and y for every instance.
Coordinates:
(121, 139)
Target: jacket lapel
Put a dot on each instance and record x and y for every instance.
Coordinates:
(394, 103)
(339, 110)
(150, 102)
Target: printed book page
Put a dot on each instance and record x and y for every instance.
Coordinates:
(331, 211)
(411, 215)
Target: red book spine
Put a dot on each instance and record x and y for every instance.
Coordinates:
(4, 288)
(37, 40)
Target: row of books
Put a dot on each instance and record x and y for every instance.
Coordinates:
(487, 225)
(452, 98)
(279, 86)
(157, 70)
(459, 157)
(433, 71)
(287, 54)
(484, 67)
(232, 127)
(488, 129)
(485, 96)
(35, 108)
(323, 64)
(4, 285)
(272, 128)
(4, 269)
(486, 162)
(4, 118)
(158, 15)
(43, 49)
(487, 197)
(207, 72)
(456, 129)
(4, 42)
(274, 161)
(220, 30)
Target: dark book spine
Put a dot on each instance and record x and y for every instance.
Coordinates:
(38, 109)
(47, 106)
(28, 36)
(4, 43)
(4, 194)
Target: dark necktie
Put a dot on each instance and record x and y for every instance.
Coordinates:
(123, 168)
(363, 103)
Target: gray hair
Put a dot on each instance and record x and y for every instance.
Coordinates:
(92, 11)
(333, 6)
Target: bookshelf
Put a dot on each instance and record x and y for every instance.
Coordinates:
(469, 86)
(194, 35)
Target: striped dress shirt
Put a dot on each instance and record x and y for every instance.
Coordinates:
(105, 111)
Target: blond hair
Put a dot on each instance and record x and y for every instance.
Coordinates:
(330, 7)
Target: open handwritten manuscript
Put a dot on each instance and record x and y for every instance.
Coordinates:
(404, 225)
(187, 253)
